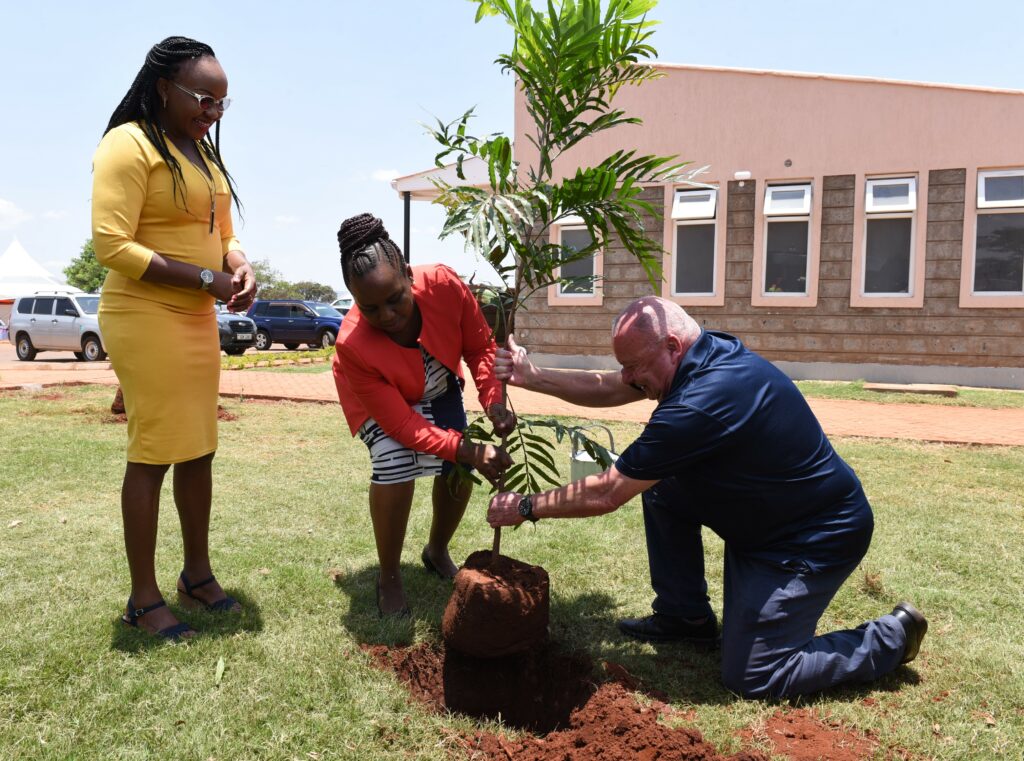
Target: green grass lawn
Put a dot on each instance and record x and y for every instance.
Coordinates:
(291, 539)
(966, 397)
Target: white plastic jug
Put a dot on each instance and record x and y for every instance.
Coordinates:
(582, 464)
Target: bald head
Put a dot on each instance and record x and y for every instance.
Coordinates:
(653, 319)
(650, 337)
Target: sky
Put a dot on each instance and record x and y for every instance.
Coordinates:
(330, 98)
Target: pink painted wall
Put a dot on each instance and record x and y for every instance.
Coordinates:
(737, 119)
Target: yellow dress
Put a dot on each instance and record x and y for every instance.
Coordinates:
(162, 340)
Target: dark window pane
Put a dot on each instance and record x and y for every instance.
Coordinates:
(887, 258)
(43, 306)
(261, 309)
(580, 272)
(999, 256)
(25, 306)
(64, 306)
(695, 259)
(1004, 188)
(279, 310)
(785, 269)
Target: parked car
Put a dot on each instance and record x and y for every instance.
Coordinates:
(343, 304)
(292, 322)
(56, 321)
(237, 332)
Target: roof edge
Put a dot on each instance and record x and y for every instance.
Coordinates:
(836, 77)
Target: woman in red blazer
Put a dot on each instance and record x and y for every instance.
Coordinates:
(399, 378)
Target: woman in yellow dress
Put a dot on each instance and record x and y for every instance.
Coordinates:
(161, 219)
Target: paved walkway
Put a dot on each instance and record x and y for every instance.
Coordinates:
(921, 422)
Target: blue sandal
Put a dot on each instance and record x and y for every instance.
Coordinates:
(174, 633)
(189, 600)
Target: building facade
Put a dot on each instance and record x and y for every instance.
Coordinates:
(846, 227)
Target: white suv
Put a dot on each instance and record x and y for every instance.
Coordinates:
(57, 321)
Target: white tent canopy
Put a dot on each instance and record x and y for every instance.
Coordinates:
(21, 275)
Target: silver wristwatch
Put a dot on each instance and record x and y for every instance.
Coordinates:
(205, 279)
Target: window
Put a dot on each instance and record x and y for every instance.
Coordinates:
(889, 207)
(578, 275)
(279, 311)
(66, 308)
(43, 306)
(693, 213)
(999, 238)
(25, 306)
(787, 211)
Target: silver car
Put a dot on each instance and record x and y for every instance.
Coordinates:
(56, 321)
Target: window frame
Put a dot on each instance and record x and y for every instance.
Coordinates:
(973, 274)
(870, 183)
(670, 241)
(774, 217)
(983, 203)
(969, 297)
(700, 211)
(772, 188)
(907, 211)
(555, 295)
(758, 296)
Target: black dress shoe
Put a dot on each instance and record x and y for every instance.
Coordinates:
(661, 628)
(914, 626)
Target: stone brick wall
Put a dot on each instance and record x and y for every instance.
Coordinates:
(940, 333)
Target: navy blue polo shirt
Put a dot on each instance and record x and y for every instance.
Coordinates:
(751, 457)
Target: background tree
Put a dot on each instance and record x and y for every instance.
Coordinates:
(272, 285)
(569, 59)
(312, 291)
(84, 271)
(267, 278)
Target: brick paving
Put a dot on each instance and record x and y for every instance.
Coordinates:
(959, 425)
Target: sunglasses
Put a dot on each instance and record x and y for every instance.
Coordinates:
(206, 102)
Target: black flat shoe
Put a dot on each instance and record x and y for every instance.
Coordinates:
(188, 600)
(914, 626)
(173, 633)
(661, 628)
(431, 568)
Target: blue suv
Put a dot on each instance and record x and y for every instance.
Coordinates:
(292, 322)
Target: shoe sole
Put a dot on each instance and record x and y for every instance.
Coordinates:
(669, 640)
(921, 624)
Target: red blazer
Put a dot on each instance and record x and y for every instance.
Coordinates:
(378, 378)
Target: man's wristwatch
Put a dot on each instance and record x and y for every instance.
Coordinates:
(205, 279)
(526, 509)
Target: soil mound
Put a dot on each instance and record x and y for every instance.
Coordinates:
(545, 692)
(610, 726)
(536, 690)
(497, 608)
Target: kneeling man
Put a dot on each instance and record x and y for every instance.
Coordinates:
(732, 445)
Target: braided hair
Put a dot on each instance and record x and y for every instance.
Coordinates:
(364, 243)
(140, 105)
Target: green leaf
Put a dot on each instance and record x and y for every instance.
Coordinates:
(220, 671)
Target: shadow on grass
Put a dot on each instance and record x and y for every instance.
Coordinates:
(209, 624)
(426, 593)
(677, 673)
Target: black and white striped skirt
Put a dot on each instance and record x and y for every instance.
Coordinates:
(441, 405)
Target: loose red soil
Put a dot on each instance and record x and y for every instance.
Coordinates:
(537, 690)
(544, 691)
(498, 607)
(800, 735)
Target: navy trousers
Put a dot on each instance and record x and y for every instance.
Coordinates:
(771, 605)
